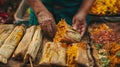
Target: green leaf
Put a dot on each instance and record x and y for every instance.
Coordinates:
(104, 62)
(98, 46)
(118, 54)
(103, 53)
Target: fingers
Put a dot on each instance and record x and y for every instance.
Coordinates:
(74, 25)
(83, 30)
(47, 23)
(43, 26)
(54, 28)
(49, 28)
(73, 21)
(79, 26)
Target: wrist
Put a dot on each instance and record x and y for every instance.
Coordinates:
(41, 12)
(82, 13)
(44, 16)
(37, 6)
(39, 9)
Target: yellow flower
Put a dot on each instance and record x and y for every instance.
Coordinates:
(101, 7)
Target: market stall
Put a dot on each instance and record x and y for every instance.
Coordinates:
(24, 45)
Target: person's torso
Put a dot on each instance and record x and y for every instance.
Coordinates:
(63, 8)
(63, 3)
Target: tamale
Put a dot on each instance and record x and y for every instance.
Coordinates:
(65, 33)
(82, 56)
(4, 35)
(34, 45)
(24, 43)
(77, 54)
(71, 54)
(39, 54)
(4, 27)
(54, 53)
(11, 43)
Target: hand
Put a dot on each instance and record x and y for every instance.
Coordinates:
(79, 23)
(47, 23)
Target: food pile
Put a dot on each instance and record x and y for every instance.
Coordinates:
(26, 44)
(70, 55)
(11, 43)
(19, 42)
(106, 7)
(29, 45)
(66, 50)
(106, 46)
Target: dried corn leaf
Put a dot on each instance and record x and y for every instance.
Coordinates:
(77, 54)
(23, 45)
(5, 34)
(44, 41)
(54, 53)
(4, 27)
(34, 45)
(82, 56)
(11, 43)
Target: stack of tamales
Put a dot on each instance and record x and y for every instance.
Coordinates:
(34, 45)
(24, 44)
(11, 43)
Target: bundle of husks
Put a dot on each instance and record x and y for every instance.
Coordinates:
(77, 54)
(54, 54)
(5, 32)
(11, 43)
(65, 33)
(24, 43)
(34, 46)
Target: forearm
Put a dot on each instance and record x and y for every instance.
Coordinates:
(86, 5)
(37, 6)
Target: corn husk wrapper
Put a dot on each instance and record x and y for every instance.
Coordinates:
(5, 34)
(4, 27)
(82, 56)
(11, 43)
(66, 34)
(54, 53)
(24, 43)
(77, 54)
(34, 45)
(39, 54)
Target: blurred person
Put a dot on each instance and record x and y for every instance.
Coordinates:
(47, 12)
